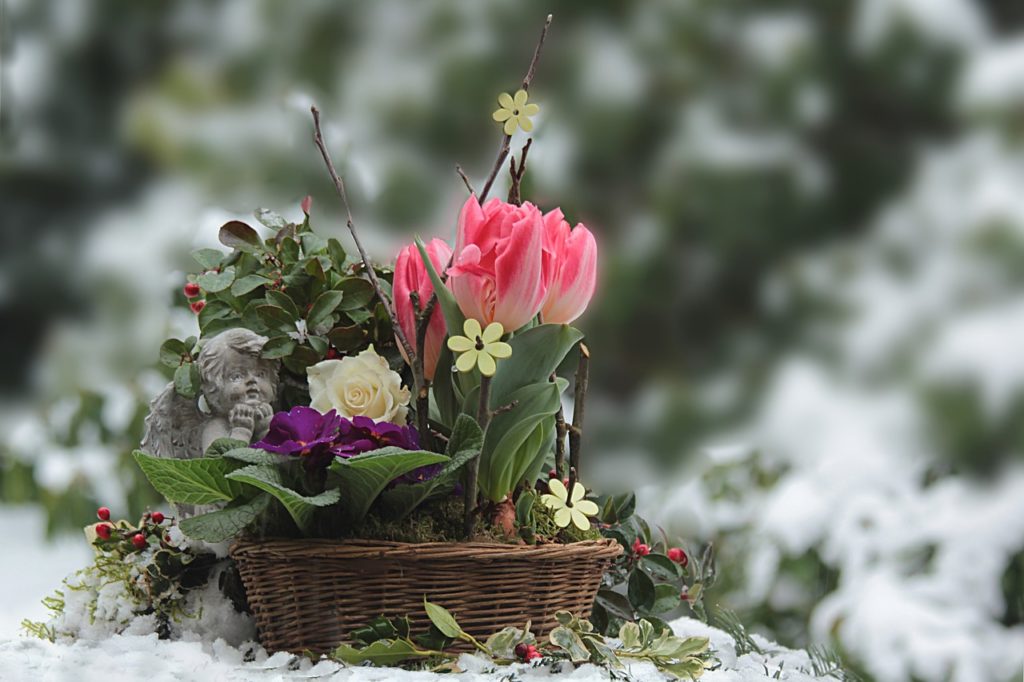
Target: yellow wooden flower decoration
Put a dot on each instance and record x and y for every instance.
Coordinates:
(515, 112)
(479, 348)
(564, 514)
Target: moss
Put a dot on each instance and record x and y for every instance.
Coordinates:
(544, 519)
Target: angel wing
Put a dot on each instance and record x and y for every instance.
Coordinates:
(174, 427)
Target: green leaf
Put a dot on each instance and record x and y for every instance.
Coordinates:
(660, 566)
(313, 243)
(618, 508)
(629, 633)
(641, 590)
(616, 604)
(252, 455)
(222, 445)
(269, 479)
(190, 481)
(453, 316)
(173, 352)
(278, 347)
(347, 338)
(513, 436)
(337, 253)
(363, 478)
(524, 509)
(319, 344)
(463, 446)
(300, 359)
(226, 523)
(666, 598)
(276, 318)
(536, 354)
(447, 398)
(270, 219)
(215, 282)
(237, 235)
(208, 259)
(383, 652)
(358, 292)
(443, 620)
(248, 284)
(568, 641)
(324, 307)
(186, 380)
(285, 302)
(690, 668)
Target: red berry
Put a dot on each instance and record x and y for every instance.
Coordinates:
(192, 290)
(103, 514)
(521, 650)
(679, 556)
(197, 307)
(332, 354)
(532, 654)
(103, 531)
(139, 540)
(553, 473)
(157, 517)
(640, 549)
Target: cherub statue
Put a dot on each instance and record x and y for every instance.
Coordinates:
(238, 394)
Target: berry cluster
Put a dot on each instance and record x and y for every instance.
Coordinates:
(527, 652)
(193, 292)
(151, 525)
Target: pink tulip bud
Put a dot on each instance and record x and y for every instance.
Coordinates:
(498, 275)
(570, 269)
(411, 275)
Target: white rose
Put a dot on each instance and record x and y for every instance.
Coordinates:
(359, 385)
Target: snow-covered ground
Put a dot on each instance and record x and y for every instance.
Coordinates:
(34, 569)
(128, 657)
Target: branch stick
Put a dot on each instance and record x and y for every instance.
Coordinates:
(576, 430)
(506, 139)
(483, 418)
(339, 185)
(465, 179)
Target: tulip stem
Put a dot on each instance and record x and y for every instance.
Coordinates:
(506, 140)
(576, 430)
(419, 374)
(483, 418)
(339, 186)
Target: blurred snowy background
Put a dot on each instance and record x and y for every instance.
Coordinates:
(811, 217)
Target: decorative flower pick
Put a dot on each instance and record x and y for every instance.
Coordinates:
(479, 348)
(566, 513)
(515, 112)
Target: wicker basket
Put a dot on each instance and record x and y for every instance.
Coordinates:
(308, 595)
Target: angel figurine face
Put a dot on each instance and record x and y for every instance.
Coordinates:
(239, 386)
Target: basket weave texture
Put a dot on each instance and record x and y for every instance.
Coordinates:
(308, 595)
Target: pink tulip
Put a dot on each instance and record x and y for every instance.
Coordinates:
(570, 268)
(411, 275)
(498, 273)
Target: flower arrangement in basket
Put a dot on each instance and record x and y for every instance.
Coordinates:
(385, 447)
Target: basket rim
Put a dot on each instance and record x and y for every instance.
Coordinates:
(603, 549)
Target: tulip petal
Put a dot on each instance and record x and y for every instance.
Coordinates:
(466, 360)
(506, 101)
(499, 350)
(460, 344)
(492, 333)
(572, 286)
(486, 364)
(519, 278)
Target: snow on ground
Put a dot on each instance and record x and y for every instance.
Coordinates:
(35, 568)
(133, 657)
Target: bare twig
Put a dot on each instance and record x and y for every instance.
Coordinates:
(517, 172)
(560, 432)
(483, 418)
(506, 139)
(570, 486)
(507, 407)
(339, 185)
(465, 179)
(576, 430)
